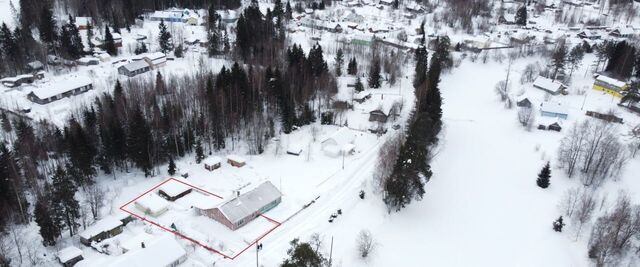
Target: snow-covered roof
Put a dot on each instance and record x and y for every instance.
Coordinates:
(136, 65)
(164, 251)
(236, 158)
(552, 107)
(294, 148)
(201, 201)
(69, 253)
(153, 203)
(88, 59)
(174, 188)
(246, 204)
(155, 57)
(134, 243)
(106, 224)
(341, 137)
(83, 21)
(610, 81)
(212, 160)
(167, 14)
(547, 84)
(60, 86)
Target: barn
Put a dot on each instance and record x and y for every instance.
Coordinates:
(244, 208)
(173, 190)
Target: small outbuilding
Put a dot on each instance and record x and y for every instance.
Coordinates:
(212, 163)
(548, 85)
(524, 103)
(102, 229)
(152, 204)
(173, 190)
(556, 110)
(294, 149)
(236, 161)
(69, 256)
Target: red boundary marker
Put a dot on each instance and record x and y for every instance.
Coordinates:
(277, 224)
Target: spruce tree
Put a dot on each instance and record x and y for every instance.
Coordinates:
(109, 43)
(172, 167)
(47, 27)
(164, 38)
(374, 73)
(67, 207)
(352, 68)
(544, 176)
(339, 62)
(46, 220)
(139, 142)
(199, 152)
(521, 16)
(359, 87)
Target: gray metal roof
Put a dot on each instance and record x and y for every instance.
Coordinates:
(136, 65)
(249, 202)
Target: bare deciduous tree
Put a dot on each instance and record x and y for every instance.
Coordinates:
(526, 117)
(613, 233)
(387, 156)
(95, 198)
(366, 244)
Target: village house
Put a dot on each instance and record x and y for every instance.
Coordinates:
(236, 161)
(549, 86)
(98, 41)
(173, 190)
(212, 163)
(244, 208)
(102, 229)
(556, 110)
(591, 35)
(164, 251)
(134, 68)
(59, 89)
(173, 15)
(69, 256)
(155, 60)
(383, 112)
(604, 117)
(610, 85)
(88, 61)
(623, 32)
(152, 205)
(18, 80)
(341, 142)
(34, 66)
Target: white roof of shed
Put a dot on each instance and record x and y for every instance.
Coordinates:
(152, 202)
(249, 202)
(69, 253)
(236, 158)
(174, 188)
(212, 160)
(106, 224)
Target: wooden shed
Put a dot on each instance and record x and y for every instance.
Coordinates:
(236, 161)
(69, 256)
(172, 190)
(212, 163)
(102, 229)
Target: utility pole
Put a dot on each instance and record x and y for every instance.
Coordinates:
(331, 251)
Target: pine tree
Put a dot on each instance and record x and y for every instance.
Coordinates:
(339, 62)
(90, 34)
(521, 16)
(558, 59)
(422, 62)
(199, 152)
(164, 38)
(109, 43)
(67, 207)
(374, 73)
(141, 48)
(46, 220)
(352, 68)
(139, 142)
(172, 167)
(288, 11)
(359, 87)
(558, 224)
(544, 176)
(47, 27)
(6, 124)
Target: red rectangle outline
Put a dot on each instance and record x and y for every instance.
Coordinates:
(277, 224)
